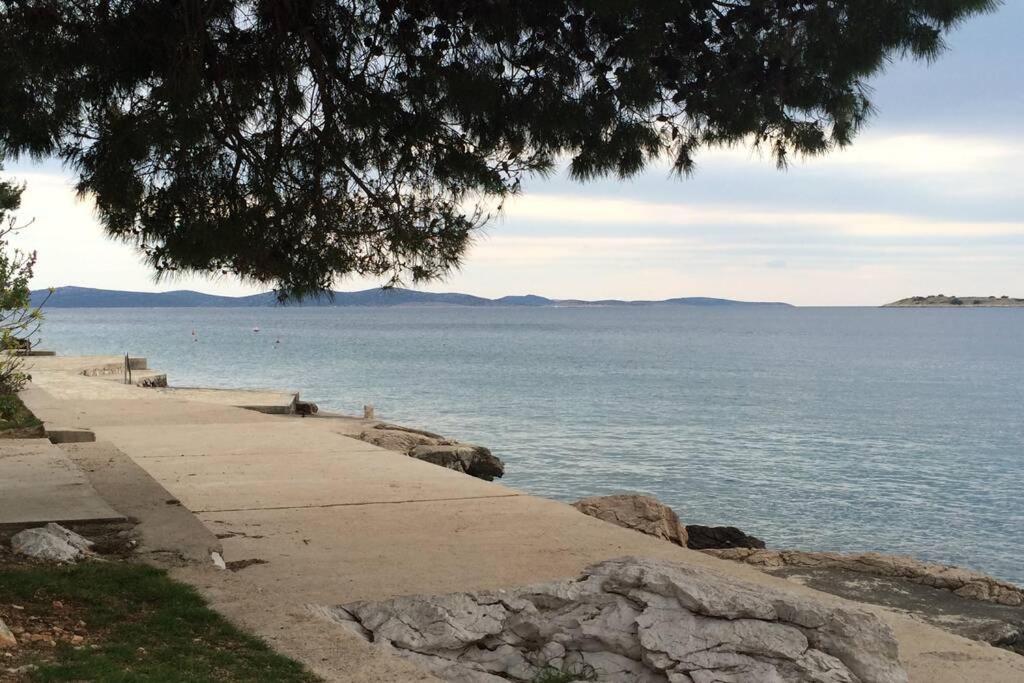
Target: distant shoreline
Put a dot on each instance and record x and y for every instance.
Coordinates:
(943, 301)
(85, 297)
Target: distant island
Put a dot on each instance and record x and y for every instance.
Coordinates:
(951, 301)
(85, 297)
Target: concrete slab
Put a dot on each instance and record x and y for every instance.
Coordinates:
(168, 532)
(260, 400)
(39, 484)
(102, 377)
(286, 463)
(138, 407)
(370, 552)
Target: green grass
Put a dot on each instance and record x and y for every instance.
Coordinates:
(14, 414)
(147, 628)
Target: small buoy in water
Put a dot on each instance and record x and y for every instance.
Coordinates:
(255, 329)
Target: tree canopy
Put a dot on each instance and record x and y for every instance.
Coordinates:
(296, 141)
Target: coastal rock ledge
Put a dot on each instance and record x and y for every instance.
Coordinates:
(650, 516)
(476, 461)
(963, 582)
(638, 512)
(631, 620)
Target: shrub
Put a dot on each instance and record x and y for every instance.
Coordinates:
(19, 319)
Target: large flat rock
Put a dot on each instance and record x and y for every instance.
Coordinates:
(39, 484)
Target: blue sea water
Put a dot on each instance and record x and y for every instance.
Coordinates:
(896, 430)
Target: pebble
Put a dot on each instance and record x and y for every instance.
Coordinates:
(7, 639)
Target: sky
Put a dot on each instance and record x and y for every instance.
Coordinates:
(929, 199)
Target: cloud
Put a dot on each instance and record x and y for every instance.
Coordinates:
(574, 210)
(899, 154)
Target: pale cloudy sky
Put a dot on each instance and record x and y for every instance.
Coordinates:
(929, 199)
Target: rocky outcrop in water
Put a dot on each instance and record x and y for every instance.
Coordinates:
(963, 582)
(641, 513)
(476, 461)
(632, 620)
(708, 537)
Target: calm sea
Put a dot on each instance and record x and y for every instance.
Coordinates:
(816, 428)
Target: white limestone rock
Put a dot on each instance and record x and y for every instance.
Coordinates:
(633, 620)
(53, 543)
(73, 539)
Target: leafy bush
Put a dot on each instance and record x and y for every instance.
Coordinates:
(19, 320)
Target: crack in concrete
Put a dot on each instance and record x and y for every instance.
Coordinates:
(369, 502)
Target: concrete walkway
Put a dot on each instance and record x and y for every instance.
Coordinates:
(334, 519)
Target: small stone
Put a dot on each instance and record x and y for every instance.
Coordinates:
(27, 668)
(77, 640)
(44, 545)
(7, 639)
(57, 604)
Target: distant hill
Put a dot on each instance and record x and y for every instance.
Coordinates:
(943, 301)
(85, 297)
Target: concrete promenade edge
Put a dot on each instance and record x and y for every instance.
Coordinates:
(334, 519)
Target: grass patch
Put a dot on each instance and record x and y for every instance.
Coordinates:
(567, 674)
(14, 414)
(115, 621)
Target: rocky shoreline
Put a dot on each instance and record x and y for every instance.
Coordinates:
(968, 603)
(943, 301)
(476, 461)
